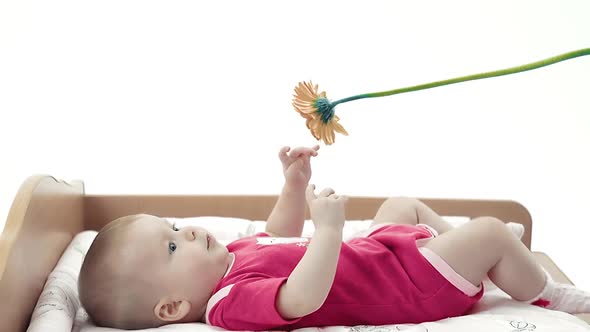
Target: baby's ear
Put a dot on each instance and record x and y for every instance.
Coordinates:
(172, 310)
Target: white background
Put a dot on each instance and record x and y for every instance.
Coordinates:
(189, 97)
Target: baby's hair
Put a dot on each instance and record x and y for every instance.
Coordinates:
(111, 296)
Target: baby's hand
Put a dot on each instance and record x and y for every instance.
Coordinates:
(326, 209)
(296, 164)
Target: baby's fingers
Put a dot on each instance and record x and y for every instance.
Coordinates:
(283, 153)
(326, 192)
(314, 150)
(299, 151)
(309, 194)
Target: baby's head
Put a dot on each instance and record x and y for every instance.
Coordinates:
(141, 271)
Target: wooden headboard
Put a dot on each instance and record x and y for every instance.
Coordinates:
(47, 213)
(43, 218)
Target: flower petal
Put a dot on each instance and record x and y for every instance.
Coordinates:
(325, 135)
(332, 134)
(302, 92)
(309, 89)
(304, 107)
(315, 123)
(303, 95)
(338, 127)
(305, 115)
(315, 134)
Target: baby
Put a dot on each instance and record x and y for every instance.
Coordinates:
(410, 266)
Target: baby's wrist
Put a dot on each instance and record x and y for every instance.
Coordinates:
(329, 228)
(295, 185)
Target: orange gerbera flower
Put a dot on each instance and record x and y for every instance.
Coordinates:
(317, 111)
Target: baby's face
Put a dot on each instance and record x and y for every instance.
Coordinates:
(185, 264)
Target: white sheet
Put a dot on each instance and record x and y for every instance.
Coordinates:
(495, 312)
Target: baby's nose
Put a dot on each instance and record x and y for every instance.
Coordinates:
(191, 234)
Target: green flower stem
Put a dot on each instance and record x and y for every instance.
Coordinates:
(508, 71)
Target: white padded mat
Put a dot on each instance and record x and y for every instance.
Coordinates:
(58, 308)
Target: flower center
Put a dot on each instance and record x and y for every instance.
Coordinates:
(325, 108)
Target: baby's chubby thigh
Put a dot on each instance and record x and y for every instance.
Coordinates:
(471, 250)
(397, 210)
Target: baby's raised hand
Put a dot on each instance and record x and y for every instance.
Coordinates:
(327, 208)
(296, 164)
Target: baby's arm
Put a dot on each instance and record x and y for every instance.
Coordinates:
(310, 282)
(288, 214)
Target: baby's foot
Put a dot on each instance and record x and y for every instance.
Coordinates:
(564, 297)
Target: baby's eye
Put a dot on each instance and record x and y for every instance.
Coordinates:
(171, 247)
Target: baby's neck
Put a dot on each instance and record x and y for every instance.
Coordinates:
(230, 262)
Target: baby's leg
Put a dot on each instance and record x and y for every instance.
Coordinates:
(484, 246)
(410, 211)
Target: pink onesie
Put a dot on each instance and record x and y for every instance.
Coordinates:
(380, 279)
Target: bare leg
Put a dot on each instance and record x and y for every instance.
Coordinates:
(410, 211)
(486, 247)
